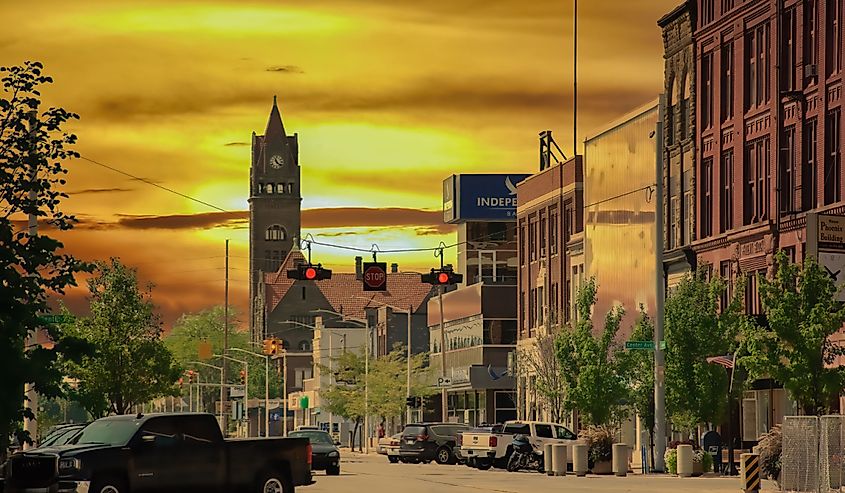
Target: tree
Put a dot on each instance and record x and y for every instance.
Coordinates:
(639, 368)
(33, 149)
(540, 361)
(208, 326)
(696, 328)
(346, 397)
(794, 345)
(131, 364)
(387, 398)
(592, 370)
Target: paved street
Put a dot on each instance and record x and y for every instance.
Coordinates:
(374, 474)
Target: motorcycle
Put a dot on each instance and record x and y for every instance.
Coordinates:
(524, 456)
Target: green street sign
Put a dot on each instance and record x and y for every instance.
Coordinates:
(303, 402)
(647, 345)
(55, 318)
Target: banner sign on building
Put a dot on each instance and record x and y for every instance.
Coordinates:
(476, 197)
(826, 242)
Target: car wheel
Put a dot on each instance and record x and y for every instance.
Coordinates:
(483, 465)
(393, 459)
(333, 471)
(444, 455)
(109, 485)
(275, 483)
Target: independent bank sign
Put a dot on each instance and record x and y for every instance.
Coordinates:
(476, 197)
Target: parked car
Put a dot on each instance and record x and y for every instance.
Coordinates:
(392, 448)
(325, 455)
(161, 452)
(425, 442)
(492, 448)
(472, 435)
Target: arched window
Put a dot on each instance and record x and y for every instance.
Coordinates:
(260, 188)
(290, 187)
(305, 345)
(275, 233)
(269, 188)
(280, 188)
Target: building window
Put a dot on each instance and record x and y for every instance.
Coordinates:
(727, 5)
(275, 233)
(689, 215)
(553, 222)
(675, 223)
(811, 38)
(810, 173)
(706, 198)
(789, 171)
(727, 82)
(725, 274)
(707, 11)
(567, 301)
(670, 117)
(756, 197)
(522, 318)
(707, 91)
(280, 188)
(684, 101)
(756, 66)
(532, 309)
(304, 345)
(532, 239)
(541, 306)
(260, 188)
(833, 37)
(726, 189)
(269, 188)
(542, 235)
(290, 187)
(787, 73)
(753, 305)
(522, 243)
(832, 157)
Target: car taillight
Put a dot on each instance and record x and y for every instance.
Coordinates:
(308, 453)
(460, 439)
(492, 442)
(422, 438)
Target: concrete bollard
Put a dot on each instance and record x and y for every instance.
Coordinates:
(579, 459)
(685, 461)
(620, 459)
(547, 459)
(559, 459)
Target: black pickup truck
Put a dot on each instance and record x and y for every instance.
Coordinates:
(161, 453)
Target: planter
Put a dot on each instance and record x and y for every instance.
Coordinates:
(697, 468)
(603, 467)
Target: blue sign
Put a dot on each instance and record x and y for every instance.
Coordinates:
(480, 197)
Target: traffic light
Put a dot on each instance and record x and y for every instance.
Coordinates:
(272, 346)
(442, 277)
(409, 401)
(243, 377)
(309, 272)
(191, 376)
(180, 382)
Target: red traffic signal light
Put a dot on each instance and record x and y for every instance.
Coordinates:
(308, 272)
(442, 277)
(243, 377)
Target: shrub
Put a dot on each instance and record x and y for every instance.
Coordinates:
(770, 446)
(699, 455)
(671, 460)
(599, 440)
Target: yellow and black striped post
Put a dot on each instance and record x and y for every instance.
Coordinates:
(750, 472)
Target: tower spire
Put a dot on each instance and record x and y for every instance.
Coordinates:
(275, 127)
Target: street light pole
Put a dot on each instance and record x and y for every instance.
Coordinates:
(266, 387)
(408, 376)
(367, 393)
(444, 405)
(660, 284)
(221, 387)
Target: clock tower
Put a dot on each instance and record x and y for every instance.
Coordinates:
(274, 204)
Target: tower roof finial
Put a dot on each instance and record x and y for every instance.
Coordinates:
(274, 100)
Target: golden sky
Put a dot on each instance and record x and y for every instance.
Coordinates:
(388, 97)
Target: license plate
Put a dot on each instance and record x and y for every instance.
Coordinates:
(409, 442)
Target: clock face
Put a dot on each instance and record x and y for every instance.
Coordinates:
(277, 161)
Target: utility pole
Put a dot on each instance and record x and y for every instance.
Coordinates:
(367, 391)
(660, 292)
(444, 404)
(285, 390)
(575, 78)
(225, 376)
(31, 399)
(408, 377)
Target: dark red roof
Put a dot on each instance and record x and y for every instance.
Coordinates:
(345, 293)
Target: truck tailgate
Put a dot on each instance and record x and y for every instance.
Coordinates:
(479, 441)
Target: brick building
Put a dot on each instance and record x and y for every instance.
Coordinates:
(550, 229)
(764, 140)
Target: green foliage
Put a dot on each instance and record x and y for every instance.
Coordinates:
(695, 329)
(388, 382)
(670, 458)
(130, 364)
(33, 148)
(208, 326)
(592, 370)
(802, 313)
(639, 368)
(346, 397)
(771, 449)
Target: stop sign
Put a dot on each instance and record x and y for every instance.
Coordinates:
(375, 276)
